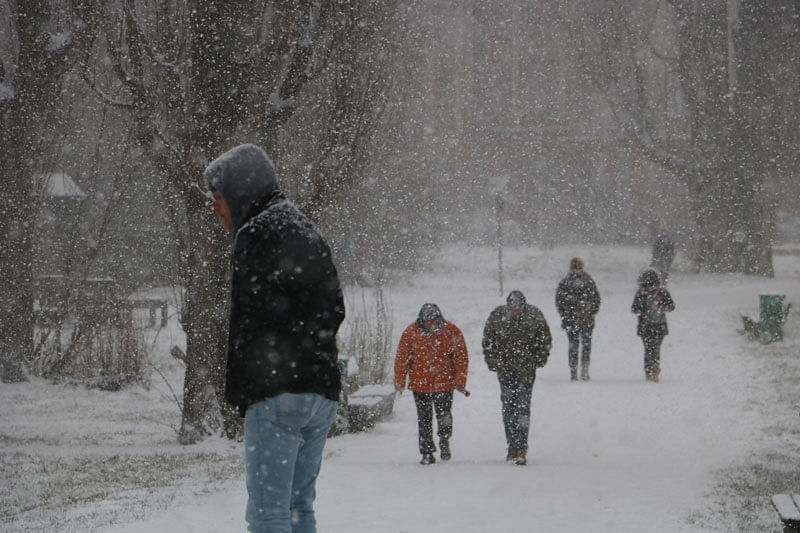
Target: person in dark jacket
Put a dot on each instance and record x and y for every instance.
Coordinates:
(516, 342)
(651, 303)
(286, 308)
(663, 253)
(578, 301)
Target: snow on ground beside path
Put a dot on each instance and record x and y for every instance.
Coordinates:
(615, 454)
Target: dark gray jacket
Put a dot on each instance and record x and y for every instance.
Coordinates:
(652, 308)
(515, 347)
(577, 300)
(286, 301)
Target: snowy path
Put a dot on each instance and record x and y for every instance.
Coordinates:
(616, 454)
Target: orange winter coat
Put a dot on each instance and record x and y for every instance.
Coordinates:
(434, 362)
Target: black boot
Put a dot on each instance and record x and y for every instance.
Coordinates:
(444, 447)
(585, 372)
(573, 373)
(427, 459)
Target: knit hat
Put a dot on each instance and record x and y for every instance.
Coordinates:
(515, 298)
(649, 280)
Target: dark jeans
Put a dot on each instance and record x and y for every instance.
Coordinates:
(516, 400)
(652, 349)
(578, 335)
(427, 402)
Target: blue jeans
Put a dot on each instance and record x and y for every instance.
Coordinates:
(516, 400)
(577, 336)
(284, 437)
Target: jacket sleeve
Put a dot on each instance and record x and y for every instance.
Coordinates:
(488, 344)
(561, 305)
(638, 303)
(402, 361)
(595, 299)
(544, 342)
(666, 300)
(460, 359)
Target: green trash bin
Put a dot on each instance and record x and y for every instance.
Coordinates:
(771, 318)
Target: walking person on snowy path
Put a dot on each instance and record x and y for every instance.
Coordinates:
(516, 341)
(663, 253)
(578, 301)
(432, 357)
(286, 307)
(651, 303)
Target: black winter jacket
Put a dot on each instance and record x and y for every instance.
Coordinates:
(286, 307)
(515, 347)
(577, 300)
(286, 302)
(651, 307)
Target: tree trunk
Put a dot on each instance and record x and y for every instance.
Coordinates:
(205, 324)
(36, 83)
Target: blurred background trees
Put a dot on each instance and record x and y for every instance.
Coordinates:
(387, 122)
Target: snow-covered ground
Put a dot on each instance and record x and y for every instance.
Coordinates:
(701, 451)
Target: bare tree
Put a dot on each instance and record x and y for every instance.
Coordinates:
(39, 35)
(724, 62)
(197, 78)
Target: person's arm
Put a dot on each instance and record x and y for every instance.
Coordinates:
(666, 300)
(401, 361)
(595, 299)
(638, 304)
(488, 344)
(460, 360)
(561, 304)
(544, 341)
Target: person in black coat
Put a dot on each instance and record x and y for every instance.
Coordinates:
(651, 303)
(663, 254)
(578, 301)
(286, 307)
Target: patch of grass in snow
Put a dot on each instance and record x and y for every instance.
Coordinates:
(741, 499)
(51, 491)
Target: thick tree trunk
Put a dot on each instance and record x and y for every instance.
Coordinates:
(205, 324)
(35, 84)
(16, 295)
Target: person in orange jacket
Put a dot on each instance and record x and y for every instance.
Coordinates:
(432, 356)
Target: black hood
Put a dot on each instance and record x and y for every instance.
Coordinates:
(431, 312)
(243, 176)
(649, 280)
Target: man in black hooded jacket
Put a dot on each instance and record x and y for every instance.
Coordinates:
(286, 307)
(578, 301)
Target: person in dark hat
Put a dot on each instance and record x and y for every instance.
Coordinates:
(516, 342)
(651, 303)
(432, 358)
(578, 301)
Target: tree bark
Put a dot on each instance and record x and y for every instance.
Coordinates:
(36, 83)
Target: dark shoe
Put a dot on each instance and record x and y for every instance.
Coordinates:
(521, 460)
(427, 459)
(512, 454)
(585, 373)
(444, 446)
(573, 374)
